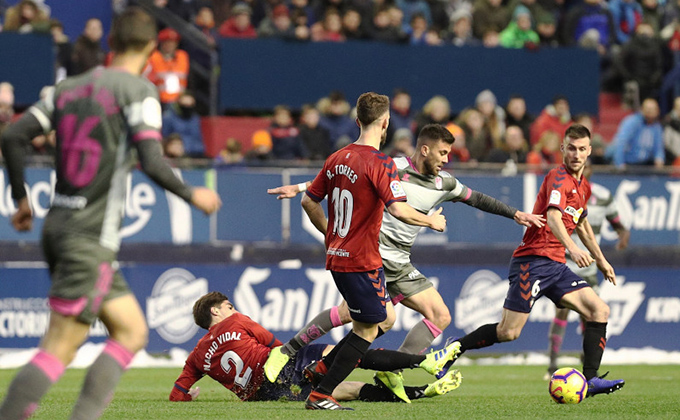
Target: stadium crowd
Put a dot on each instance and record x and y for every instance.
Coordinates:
(638, 42)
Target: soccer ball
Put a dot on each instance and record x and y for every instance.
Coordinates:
(568, 386)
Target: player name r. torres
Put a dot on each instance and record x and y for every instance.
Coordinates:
(343, 170)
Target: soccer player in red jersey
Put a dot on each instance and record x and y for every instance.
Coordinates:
(538, 266)
(360, 181)
(235, 348)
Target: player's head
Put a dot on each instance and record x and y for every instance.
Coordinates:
(433, 147)
(374, 109)
(576, 147)
(207, 306)
(133, 31)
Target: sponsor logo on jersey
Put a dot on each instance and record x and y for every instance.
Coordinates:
(397, 189)
(438, 182)
(480, 301)
(555, 197)
(169, 309)
(575, 214)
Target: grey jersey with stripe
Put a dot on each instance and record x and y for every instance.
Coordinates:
(423, 193)
(600, 207)
(97, 116)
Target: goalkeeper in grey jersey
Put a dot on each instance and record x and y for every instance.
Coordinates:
(426, 187)
(600, 207)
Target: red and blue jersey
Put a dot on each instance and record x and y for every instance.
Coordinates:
(565, 193)
(360, 182)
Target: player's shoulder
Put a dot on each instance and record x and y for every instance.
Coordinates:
(446, 175)
(402, 162)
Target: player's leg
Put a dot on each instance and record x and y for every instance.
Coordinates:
(437, 317)
(57, 349)
(128, 333)
(558, 326)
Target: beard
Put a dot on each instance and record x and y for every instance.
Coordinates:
(383, 137)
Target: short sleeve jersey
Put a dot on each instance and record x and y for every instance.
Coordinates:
(360, 182)
(424, 192)
(97, 117)
(233, 353)
(565, 193)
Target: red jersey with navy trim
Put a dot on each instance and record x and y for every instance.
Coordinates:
(232, 353)
(570, 196)
(360, 182)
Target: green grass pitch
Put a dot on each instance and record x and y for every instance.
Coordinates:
(487, 392)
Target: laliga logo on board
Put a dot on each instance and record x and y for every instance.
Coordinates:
(480, 300)
(169, 309)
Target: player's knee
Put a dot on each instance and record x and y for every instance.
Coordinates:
(601, 313)
(442, 319)
(510, 334)
(134, 339)
(389, 321)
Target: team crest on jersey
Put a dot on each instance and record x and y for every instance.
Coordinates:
(438, 182)
(555, 197)
(397, 189)
(576, 214)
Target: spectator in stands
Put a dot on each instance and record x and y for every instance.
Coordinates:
(534, 7)
(516, 114)
(316, 139)
(494, 115)
(382, 29)
(477, 138)
(555, 117)
(402, 144)
(461, 29)
(6, 106)
(87, 50)
(397, 20)
(278, 25)
(641, 61)
(205, 22)
(592, 14)
(437, 110)
(400, 113)
(303, 7)
(546, 152)
(652, 14)
(417, 30)
(173, 146)
(514, 147)
(518, 33)
(671, 134)
(639, 138)
(64, 50)
(546, 28)
(335, 118)
(459, 151)
(301, 29)
(352, 25)
(286, 141)
(231, 153)
(489, 15)
(26, 17)
(330, 28)
(181, 118)
(433, 37)
(627, 15)
(412, 8)
(261, 147)
(491, 39)
(169, 67)
(186, 9)
(239, 24)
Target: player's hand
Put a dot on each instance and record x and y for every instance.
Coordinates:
(624, 237)
(193, 393)
(438, 221)
(580, 257)
(22, 220)
(607, 270)
(528, 219)
(286, 191)
(206, 200)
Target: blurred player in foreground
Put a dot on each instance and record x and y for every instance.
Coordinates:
(601, 207)
(101, 118)
(235, 348)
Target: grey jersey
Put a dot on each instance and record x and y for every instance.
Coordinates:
(97, 117)
(423, 193)
(600, 207)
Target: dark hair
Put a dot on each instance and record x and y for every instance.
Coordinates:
(577, 131)
(371, 106)
(433, 133)
(282, 108)
(558, 98)
(132, 30)
(336, 96)
(400, 91)
(202, 307)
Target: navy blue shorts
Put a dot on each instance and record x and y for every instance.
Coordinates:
(292, 384)
(365, 294)
(532, 277)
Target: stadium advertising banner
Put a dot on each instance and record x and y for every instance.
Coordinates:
(645, 306)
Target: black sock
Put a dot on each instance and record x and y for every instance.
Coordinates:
(594, 341)
(330, 357)
(483, 336)
(386, 360)
(345, 361)
(375, 393)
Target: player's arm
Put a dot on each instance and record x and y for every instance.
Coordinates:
(182, 390)
(407, 214)
(315, 213)
(14, 140)
(491, 205)
(587, 236)
(289, 191)
(556, 225)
